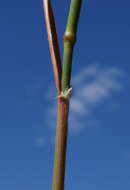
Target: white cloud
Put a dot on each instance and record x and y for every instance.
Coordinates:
(77, 106)
(99, 84)
(93, 93)
(93, 85)
(87, 71)
(40, 141)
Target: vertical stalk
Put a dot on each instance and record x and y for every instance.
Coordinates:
(69, 41)
(61, 143)
(63, 100)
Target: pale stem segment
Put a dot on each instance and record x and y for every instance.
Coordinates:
(53, 43)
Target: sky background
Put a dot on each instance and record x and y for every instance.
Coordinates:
(99, 137)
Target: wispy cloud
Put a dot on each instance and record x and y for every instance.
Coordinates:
(92, 86)
(40, 141)
(96, 83)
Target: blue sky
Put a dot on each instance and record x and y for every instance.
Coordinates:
(99, 137)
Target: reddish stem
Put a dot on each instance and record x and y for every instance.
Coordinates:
(61, 144)
(53, 43)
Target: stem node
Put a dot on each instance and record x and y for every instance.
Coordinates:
(70, 38)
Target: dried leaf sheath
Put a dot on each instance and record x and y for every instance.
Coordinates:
(53, 43)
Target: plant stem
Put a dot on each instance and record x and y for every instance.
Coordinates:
(61, 143)
(69, 41)
(63, 102)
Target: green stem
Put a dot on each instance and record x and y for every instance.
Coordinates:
(69, 41)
